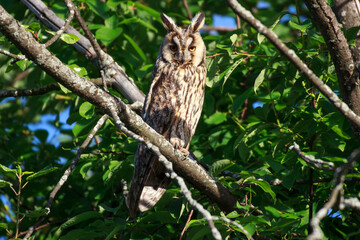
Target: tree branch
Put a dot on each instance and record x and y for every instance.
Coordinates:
(290, 54)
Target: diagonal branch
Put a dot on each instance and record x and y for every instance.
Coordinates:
(290, 54)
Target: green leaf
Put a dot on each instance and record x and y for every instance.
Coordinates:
(82, 217)
(216, 118)
(259, 79)
(69, 38)
(135, 46)
(64, 89)
(147, 9)
(233, 38)
(44, 171)
(81, 71)
(80, 234)
(4, 183)
(3, 225)
(37, 213)
(114, 231)
(230, 70)
(98, 7)
(212, 77)
(87, 110)
(302, 27)
(23, 64)
(4, 169)
(83, 126)
(265, 186)
(108, 35)
(85, 168)
(220, 165)
(261, 37)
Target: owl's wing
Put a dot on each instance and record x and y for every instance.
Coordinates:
(149, 182)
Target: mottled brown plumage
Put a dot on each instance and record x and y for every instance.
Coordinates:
(172, 107)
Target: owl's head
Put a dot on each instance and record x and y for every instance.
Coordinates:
(183, 46)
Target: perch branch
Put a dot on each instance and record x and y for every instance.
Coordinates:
(67, 173)
(290, 54)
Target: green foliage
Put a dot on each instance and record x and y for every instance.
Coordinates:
(256, 105)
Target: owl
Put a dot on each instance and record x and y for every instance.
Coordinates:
(172, 107)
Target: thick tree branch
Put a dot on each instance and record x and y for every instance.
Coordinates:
(290, 54)
(189, 169)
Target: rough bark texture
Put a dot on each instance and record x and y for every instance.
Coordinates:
(346, 68)
(187, 168)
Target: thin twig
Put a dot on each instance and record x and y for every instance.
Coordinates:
(188, 12)
(335, 197)
(46, 88)
(104, 81)
(67, 173)
(29, 92)
(318, 163)
(88, 33)
(187, 222)
(9, 54)
(71, 7)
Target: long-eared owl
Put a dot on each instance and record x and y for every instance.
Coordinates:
(172, 107)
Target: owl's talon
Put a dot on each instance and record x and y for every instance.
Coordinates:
(184, 151)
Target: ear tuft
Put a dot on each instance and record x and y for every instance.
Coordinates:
(168, 23)
(197, 22)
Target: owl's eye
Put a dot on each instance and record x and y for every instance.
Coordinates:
(173, 48)
(192, 48)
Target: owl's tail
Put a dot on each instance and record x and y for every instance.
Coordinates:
(147, 187)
